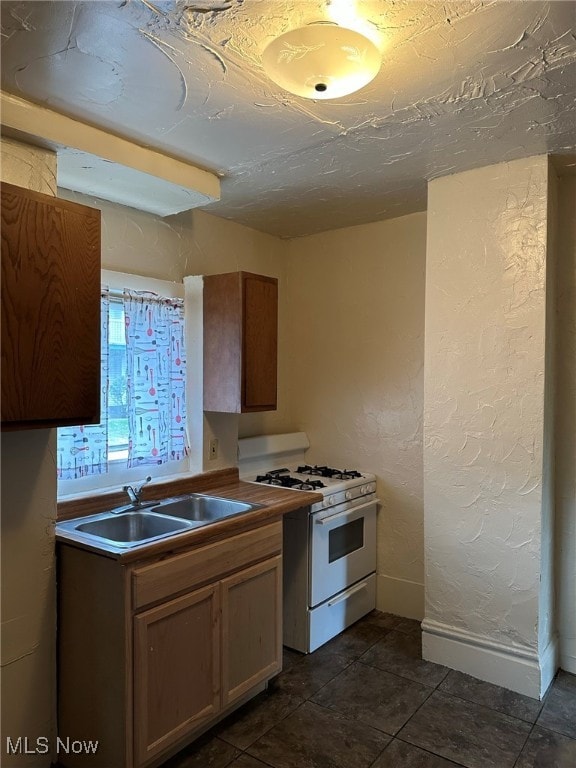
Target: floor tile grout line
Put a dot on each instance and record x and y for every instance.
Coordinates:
(430, 752)
(362, 722)
(296, 708)
(431, 691)
(484, 706)
(308, 698)
(418, 708)
(552, 730)
(541, 702)
(332, 712)
(519, 755)
(264, 762)
(353, 720)
(399, 736)
(379, 755)
(403, 677)
(270, 765)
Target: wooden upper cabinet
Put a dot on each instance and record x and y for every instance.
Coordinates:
(240, 342)
(50, 311)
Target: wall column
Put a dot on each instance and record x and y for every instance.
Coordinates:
(488, 452)
(566, 426)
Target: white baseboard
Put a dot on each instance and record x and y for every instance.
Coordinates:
(548, 665)
(401, 597)
(516, 667)
(568, 655)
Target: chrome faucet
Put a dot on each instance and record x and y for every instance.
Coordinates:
(134, 492)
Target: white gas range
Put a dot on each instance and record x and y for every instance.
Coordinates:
(329, 548)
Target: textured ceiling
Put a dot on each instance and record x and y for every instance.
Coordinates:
(462, 85)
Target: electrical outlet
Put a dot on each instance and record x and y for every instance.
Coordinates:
(213, 449)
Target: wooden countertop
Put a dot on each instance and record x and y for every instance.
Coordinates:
(275, 502)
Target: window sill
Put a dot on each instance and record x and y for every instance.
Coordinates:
(114, 482)
(91, 502)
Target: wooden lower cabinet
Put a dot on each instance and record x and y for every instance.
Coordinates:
(151, 655)
(176, 670)
(251, 628)
(198, 654)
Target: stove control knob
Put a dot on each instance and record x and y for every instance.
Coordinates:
(348, 495)
(329, 501)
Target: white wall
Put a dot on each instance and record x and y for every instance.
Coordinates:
(486, 519)
(356, 299)
(566, 424)
(28, 680)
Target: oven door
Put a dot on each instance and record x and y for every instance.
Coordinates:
(343, 548)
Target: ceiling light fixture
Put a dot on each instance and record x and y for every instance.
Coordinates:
(321, 61)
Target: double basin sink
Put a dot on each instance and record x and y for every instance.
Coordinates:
(138, 524)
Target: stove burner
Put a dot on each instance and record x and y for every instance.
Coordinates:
(346, 474)
(335, 474)
(268, 479)
(315, 470)
(278, 477)
(311, 485)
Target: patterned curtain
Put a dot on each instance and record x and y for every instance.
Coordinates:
(156, 364)
(83, 450)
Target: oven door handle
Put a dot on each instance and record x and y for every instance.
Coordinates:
(348, 593)
(326, 520)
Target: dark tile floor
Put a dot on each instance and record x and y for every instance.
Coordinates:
(368, 700)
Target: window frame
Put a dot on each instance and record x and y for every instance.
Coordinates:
(121, 475)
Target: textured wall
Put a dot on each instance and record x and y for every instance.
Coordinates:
(356, 299)
(28, 644)
(566, 424)
(484, 399)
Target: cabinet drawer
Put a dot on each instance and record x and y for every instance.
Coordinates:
(183, 572)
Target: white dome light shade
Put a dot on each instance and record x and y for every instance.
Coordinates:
(321, 61)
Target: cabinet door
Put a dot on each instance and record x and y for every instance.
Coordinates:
(50, 311)
(176, 670)
(260, 343)
(240, 313)
(251, 628)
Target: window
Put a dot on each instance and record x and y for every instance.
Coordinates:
(143, 417)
